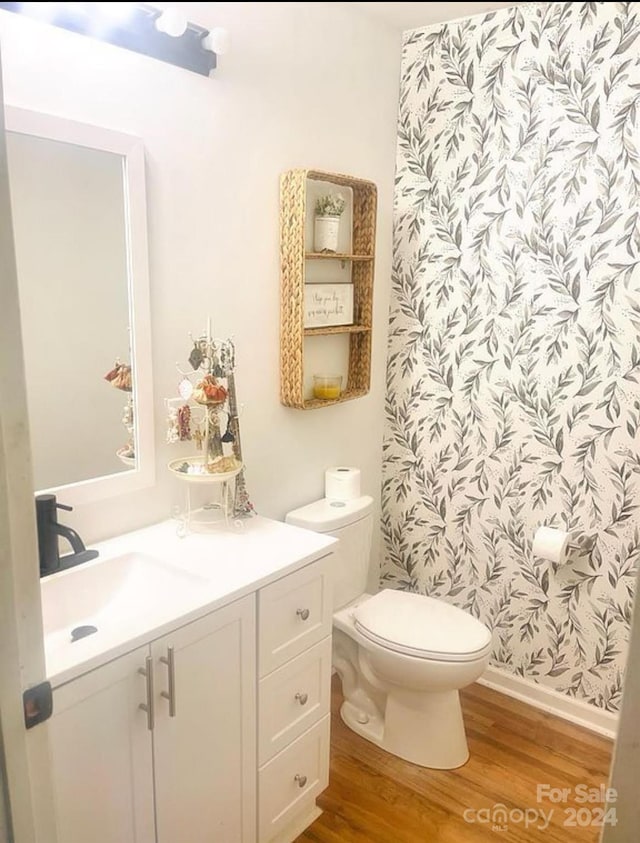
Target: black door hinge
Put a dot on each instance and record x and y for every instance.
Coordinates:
(38, 704)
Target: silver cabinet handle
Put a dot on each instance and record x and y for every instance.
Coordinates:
(303, 614)
(302, 780)
(302, 698)
(147, 672)
(170, 661)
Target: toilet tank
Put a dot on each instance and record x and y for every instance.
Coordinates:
(352, 523)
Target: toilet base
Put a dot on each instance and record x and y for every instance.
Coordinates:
(424, 728)
(366, 725)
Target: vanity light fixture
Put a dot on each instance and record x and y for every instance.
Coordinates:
(161, 34)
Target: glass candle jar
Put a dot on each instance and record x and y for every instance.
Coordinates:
(327, 387)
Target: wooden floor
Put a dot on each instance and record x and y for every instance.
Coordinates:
(374, 797)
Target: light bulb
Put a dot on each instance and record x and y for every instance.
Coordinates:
(218, 41)
(172, 22)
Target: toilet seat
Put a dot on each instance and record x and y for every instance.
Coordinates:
(421, 627)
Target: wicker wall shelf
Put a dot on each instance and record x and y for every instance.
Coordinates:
(349, 395)
(336, 256)
(336, 329)
(293, 259)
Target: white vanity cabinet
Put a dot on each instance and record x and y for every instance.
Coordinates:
(214, 732)
(195, 745)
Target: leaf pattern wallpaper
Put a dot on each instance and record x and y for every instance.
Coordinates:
(514, 358)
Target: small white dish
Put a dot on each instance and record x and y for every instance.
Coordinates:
(122, 454)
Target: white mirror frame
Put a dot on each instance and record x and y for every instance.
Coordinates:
(25, 122)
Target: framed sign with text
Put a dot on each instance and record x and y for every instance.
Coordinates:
(328, 305)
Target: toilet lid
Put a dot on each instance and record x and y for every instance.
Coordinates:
(421, 626)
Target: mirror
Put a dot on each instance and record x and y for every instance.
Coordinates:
(79, 217)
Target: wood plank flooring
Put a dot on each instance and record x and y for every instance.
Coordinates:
(374, 797)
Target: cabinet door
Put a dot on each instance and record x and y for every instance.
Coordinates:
(102, 756)
(205, 755)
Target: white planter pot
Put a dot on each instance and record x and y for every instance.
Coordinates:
(325, 234)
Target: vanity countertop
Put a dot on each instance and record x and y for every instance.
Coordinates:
(146, 583)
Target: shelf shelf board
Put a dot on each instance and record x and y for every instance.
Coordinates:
(336, 329)
(348, 395)
(336, 256)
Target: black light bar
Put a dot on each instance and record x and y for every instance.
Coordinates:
(134, 28)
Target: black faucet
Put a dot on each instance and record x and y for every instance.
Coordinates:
(48, 532)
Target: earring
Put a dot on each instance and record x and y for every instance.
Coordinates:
(228, 435)
(184, 423)
(224, 354)
(173, 434)
(196, 357)
(122, 379)
(127, 414)
(216, 368)
(185, 389)
(112, 374)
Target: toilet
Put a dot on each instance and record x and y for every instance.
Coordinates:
(402, 657)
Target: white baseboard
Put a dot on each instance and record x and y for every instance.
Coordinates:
(546, 699)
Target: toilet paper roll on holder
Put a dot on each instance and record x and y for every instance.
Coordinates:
(552, 544)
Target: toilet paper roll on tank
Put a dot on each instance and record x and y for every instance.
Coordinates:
(342, 483)
(552, 544)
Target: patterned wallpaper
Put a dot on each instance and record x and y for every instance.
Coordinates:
(514, 360)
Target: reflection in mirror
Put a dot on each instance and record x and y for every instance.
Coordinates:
(80, 239)
(71, 255)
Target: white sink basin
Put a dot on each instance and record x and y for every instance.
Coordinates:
(121, 597)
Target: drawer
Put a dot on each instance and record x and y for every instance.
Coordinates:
(294, 613)
(293, 698)
(292, 780)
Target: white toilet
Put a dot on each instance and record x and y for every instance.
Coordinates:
(402, 657)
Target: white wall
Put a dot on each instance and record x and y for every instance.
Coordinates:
(306, 84)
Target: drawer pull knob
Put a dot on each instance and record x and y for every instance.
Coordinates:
(302, 780)
(303, 614)
(302, 698)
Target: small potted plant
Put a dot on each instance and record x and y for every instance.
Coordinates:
(329, 208)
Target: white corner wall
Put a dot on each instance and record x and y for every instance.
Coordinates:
(305, 85)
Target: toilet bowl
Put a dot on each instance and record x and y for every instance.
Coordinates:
(402, 697)
(402, 657)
